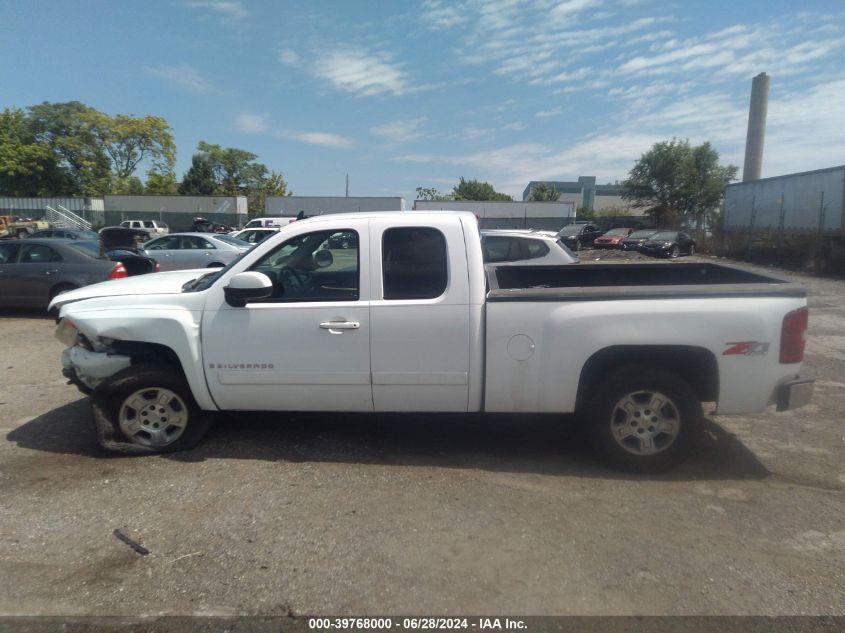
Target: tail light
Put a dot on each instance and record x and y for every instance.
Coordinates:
(118, 272)
(157, 269)
(792, 336)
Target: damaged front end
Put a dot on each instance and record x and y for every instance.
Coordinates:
(86, 363)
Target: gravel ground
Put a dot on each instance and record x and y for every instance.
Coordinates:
(349, 514)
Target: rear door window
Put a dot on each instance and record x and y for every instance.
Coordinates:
(9, 253)
(414, 263)
(39, 254)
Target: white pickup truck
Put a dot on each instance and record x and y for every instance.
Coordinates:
(408, 319)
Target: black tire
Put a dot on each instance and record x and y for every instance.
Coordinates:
(641, 385)
(147, 380)
(215, 265)
(577, 245)
(673, 254)
(692, 249)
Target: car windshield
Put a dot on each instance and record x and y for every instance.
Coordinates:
(228, 239)
(640, 234)
(572, 229)
(665, 235)
(86, 247)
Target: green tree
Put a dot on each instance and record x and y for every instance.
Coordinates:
(477, 190)
(614, 211)
(67, 128)
(161, 183)
(274, 185)
(199, 180)
(430, 193)
(235, 170)
(674, 181)
(27, 166)
(541, 192)
(128, 141)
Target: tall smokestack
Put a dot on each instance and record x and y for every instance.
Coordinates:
(756, 127)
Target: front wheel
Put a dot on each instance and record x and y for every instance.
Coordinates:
(674, 252)
(640, 418)
(147, 409)
(692, 249)
(577, 245)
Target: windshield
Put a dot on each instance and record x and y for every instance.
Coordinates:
(86, 247)
(572, 229)
(665, 235)
(641, 234)
(228, 239)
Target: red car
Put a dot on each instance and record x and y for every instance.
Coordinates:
(612, 238)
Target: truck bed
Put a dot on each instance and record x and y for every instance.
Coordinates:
(597, 282)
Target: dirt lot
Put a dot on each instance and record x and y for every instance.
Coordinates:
(418, 514)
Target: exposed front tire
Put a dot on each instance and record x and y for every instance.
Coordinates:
(641, 418)
(674, 252)
(147, 409)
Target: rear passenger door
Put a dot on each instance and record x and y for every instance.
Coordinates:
(8, 267)
(37, 271)
(419, 315)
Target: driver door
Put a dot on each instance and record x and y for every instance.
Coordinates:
(305, 348)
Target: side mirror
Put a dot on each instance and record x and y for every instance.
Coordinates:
(323, 259)
(246, 287)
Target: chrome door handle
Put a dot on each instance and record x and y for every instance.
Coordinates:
(334, 327)
(51, 271)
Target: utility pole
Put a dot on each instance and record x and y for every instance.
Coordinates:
(347, 185)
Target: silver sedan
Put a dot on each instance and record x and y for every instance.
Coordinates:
(180, 251)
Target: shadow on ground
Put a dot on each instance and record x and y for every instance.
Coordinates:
(501, 443)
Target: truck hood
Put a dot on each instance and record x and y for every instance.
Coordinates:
(151, 284)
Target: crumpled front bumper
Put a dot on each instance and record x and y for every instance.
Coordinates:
(796, 392)
(87, 369)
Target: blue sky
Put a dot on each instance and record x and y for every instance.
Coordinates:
(407, 94)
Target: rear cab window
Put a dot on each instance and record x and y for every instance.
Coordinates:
(415, 264)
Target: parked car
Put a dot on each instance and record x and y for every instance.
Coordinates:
(577, 235)
(120, 244)
(64, 234)
(420, 325)
(612, 238)
(636, 239)
(152, 227)
(254, 236)
(501, 246)
(343, 239)
(275, 222)
(33, 271)
(179, 251)
(668, 244)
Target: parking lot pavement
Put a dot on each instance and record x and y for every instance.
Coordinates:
(336, 514)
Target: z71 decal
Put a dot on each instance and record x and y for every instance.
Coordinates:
(746, 348)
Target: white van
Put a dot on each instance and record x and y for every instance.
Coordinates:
(268, 223)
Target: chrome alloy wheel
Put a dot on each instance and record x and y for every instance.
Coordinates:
(153, 417)
(645, 422)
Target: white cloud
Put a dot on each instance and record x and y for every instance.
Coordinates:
(545, 114)
(566, 9)
(439, 14)
(251, 123)
(289, 57)
(323, 139)
(399, 131)
(361, 73)
(227, 9)
(184, 76)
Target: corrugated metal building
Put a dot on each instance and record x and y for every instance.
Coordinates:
(795, 218)
(508, 215)
(291, 206)
(176, 211)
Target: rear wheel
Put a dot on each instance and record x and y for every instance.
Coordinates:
(692, 249)
(577, 245)
(147, 409)
(641, 418)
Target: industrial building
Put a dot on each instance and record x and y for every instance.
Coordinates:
(508, 215)
(584, 193)
(291, 206)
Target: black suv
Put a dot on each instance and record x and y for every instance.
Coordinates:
(577, 235)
